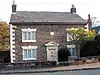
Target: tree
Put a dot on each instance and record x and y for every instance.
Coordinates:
(78, 36)
(81, 34)
(4, 36)
(89, 36)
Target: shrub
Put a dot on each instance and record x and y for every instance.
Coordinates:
(63, 54)
(97, 37)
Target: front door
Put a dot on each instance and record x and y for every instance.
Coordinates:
(51, 55)
(52, 51)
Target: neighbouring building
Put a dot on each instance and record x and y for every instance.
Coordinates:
(38, 36)
(97, 29)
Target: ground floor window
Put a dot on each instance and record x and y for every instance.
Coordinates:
(29, 53)
(72, 50)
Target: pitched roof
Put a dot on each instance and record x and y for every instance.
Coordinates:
(58, 17)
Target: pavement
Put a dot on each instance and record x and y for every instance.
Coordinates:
(53, 69)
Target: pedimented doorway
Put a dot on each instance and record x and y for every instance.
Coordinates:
(52, 51)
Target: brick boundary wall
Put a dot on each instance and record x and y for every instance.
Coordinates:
(27, 65)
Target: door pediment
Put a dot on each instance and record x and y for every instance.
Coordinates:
(51, 43)
(52, 50)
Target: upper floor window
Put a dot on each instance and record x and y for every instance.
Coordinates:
(70, 35)
(29, 35)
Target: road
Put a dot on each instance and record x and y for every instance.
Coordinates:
(85, 72)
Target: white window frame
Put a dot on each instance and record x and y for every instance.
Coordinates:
(29, 30)
(69, 35)
(72, 52)
(29, 47)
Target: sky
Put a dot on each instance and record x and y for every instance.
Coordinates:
(83, 7)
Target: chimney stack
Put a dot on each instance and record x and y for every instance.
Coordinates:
(13, 7)
(89, 22)
(73, 9)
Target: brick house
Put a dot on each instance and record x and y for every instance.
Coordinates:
(38, 36)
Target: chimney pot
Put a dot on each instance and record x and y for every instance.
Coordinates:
(73, 9)
(89, 22)
(13, 7)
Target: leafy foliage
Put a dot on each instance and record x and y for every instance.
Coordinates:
(76, 33)
(81, 34)
(91, 45)
(89, 49)
(4, 35)
(89, 36)
(97, 37)
(82, 38)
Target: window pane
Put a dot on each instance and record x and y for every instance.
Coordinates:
(29, 53)
(24, 35)
(73, 52)
(33, 36)
(29, 36)
(25, 53)
(33, 53)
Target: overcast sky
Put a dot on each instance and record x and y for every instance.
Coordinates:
(83, 7)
